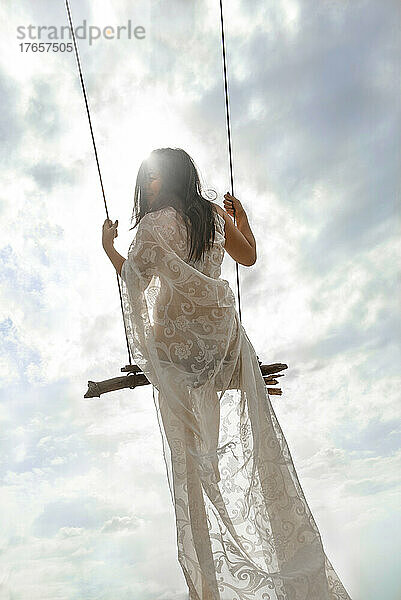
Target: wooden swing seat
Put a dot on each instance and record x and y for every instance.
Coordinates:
(136, 378)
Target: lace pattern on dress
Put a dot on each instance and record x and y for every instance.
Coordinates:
(244, 528)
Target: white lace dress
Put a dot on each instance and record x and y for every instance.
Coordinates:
(244, 528)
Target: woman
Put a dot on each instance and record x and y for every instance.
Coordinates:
(244, 528)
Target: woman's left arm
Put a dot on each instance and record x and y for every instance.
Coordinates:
(108, 234)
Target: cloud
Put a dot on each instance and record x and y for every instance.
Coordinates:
(77, 512)
(11, 128)
(121, 524)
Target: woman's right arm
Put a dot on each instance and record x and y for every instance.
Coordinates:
(240, 242)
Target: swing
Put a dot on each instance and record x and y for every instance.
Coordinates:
(244, 527)
(135, 377)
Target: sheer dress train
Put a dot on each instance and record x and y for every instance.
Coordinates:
(244, 528)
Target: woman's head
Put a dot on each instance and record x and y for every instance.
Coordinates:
(169, 177)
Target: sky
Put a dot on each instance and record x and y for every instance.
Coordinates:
(85, 510)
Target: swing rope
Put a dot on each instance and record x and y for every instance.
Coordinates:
(97, 159)
(229, 140)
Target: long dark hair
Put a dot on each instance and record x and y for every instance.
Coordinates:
(182, 189)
